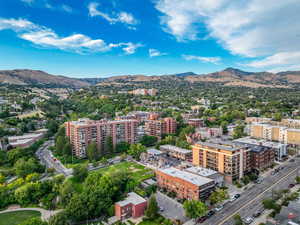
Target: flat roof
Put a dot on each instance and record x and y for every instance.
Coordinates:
(132, 198)
(154, 151)
(25, 136)
(221, 145)
(187, 176)
(175, 149)
(252, 141)
(205, 172)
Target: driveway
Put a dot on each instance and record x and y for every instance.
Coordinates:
(172, 209)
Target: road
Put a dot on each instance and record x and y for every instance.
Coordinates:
(47, 159)
(251, 199)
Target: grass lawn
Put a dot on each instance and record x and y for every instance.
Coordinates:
(148, 223)
(136, 171)
(14, 218)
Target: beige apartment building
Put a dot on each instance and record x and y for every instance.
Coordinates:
(275, 133)
(231, 160)
(84, 131)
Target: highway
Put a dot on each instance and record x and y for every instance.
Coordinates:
(251, 199)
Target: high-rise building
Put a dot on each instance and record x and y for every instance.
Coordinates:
(84, 131)
(231, 160)
(161, 126)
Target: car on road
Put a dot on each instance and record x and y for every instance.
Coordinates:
(219, 208)
(292, 160)
(232, 199)
(161, 209)
(248, 220)
(291, 185)
(210, 213)
(257, 213)
(237, 196)
(202, 219)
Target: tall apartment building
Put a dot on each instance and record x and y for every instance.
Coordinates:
(275, 133)
(231, 160)
(186, 185)
(84, 131)
(161, 126)
(151, 92)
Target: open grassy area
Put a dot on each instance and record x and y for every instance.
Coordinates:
(14, 218)
(149, 223)
(136, 171)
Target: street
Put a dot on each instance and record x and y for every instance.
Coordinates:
(251, 199)
(46, 158)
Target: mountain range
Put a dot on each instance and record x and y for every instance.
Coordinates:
(227, 77)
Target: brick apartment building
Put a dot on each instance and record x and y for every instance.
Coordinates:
(186, 185)
(84, 131)
(133, 206)
(231, 160)
(195, 122)
(158, 127)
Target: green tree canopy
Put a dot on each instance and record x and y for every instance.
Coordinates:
(194, 209)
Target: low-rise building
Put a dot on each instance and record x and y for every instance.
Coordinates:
(186, 185)
(209, 173)
(176, 152)
(132, 206)
(25, 140)
(196, 122)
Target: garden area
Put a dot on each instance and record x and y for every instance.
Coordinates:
(15, 218)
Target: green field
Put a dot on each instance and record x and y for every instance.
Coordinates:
(136, 171)
(14, 218)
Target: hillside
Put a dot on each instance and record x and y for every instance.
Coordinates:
(37, 77)
(227, 77)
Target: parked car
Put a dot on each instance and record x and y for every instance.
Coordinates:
(248, 220)
(201, 219)
(237, 196)
(291, 185)
(210, 213)
(232, 199)
(218, 208)
(292, 160)
(257, 213)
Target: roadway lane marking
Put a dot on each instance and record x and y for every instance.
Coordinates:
(227, 218)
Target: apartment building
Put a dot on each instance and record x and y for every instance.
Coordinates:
(176, 152)
(281, 134)
(186, 185)
(196, 122)
(85, 131)
(258, 120)
(280, 149)
(132, 206)
(229, 159)
(151, 92)
(158, 127)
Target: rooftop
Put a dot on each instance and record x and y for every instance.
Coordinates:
(175, 148)
(187, 176)
(205, 172)
(252, 141)
(154, 151)
(132, 198)
(221, 145)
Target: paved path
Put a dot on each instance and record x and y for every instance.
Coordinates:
(45, 214)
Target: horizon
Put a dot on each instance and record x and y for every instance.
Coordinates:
(149, 37)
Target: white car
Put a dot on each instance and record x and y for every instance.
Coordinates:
(232, 199)
(249, 220)
(218, 208)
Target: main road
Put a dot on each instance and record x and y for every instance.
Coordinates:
(251, 199)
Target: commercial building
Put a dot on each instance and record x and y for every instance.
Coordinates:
(158, 127)
(209, 173)
(133, 206)
(176, 152)
(229, 159)
(280, 149)
(84, 131)
(186, 185)
(26, 140)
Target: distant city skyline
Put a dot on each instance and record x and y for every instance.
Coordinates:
(97, 38)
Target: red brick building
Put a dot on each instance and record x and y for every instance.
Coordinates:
(133, 206)
(186, 185)
(84, 131)
(159, 127)
(195, 122)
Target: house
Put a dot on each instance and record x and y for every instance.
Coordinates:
(132, 206)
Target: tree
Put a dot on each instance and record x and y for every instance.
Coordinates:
(277, 116)
(238, 220)
(194, 209)
(67, 150)
(122, 146)
(152, 208)
(136, 150)
(224, 125)
(92, 151)
(60, 143)
(218, 196)
(2, 178)
(80, 172)
(148, 140)
(238, 131)
(24, 167)
(297, 179)
(33, 221)
(60, 218)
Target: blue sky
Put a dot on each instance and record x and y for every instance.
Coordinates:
(98, 38)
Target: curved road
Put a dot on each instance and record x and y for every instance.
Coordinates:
(45, 214)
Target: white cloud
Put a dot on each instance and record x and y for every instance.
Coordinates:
(248, 28)
(214, 60)
(43, 36)
(121, 17)
(67, 8)
(155, 52)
